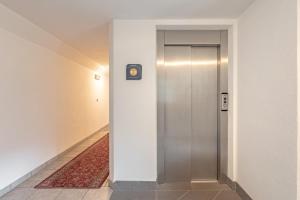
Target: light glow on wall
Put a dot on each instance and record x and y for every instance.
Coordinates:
(99, 72)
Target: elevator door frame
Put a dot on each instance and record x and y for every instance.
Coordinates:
(217, 39)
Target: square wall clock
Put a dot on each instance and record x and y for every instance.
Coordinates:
(133, 72)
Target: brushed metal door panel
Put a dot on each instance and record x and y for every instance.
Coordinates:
(204, 113)
(192, 37)
(177, 93)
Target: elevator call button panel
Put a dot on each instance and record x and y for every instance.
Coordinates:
(224, 102)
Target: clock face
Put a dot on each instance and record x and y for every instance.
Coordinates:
(133, 72)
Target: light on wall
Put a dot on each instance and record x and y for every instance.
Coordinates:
(97, 77)
(99, 73)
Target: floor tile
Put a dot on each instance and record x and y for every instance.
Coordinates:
(74, 152)
(30, 183)
(57, 164)
(169, 195)
(124, 185)
(43, 174)
(81, 148)
(84, 145)
(90, 141)
(175, 186)
(147, 195)
(200, 195)
(72, 194)
(65, 159)
(96, 138)
(209, 186)
(18, 194)
(228, 195)
(98, 194)
(105, 184)
(71, 154)
(45, 194)
(135, 186)
(144, 186)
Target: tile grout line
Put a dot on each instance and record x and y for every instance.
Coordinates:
(58, 194)
(215, 197)
(85, 194)
(183, 195)
(29, 196)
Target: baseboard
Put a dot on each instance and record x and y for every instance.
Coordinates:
(236, 187)
(226, 180)
(243, 194)
(14, 184)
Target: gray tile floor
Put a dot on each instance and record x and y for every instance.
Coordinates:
(119, 191)
(174, 191)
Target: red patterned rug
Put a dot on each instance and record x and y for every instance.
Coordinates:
(87, 170)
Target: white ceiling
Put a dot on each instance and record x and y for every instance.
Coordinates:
(83, 24)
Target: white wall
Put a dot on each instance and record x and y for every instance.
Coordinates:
(47, 104)
(133, 103)
(267, 100)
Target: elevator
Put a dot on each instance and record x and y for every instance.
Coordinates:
(192, 126)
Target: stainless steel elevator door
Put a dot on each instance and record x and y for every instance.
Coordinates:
(190, 110)
(204, 113)
(177, 113)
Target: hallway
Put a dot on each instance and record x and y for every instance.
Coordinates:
(190, 93)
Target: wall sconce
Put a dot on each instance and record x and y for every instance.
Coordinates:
(97, 77)
(99, 73)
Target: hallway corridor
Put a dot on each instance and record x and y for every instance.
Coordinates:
(104, 99)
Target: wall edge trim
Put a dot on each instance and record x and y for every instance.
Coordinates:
(235, 186)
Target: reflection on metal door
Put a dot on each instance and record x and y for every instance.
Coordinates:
(191, 105)
(204, 113)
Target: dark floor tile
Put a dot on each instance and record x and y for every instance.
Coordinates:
(123, 185)
(209, 186)
(228, 195)
(134, 186)
(200, 195)
(169, 195)
(146, 195)
(145, 186)
(175, 186)
(193, 186)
